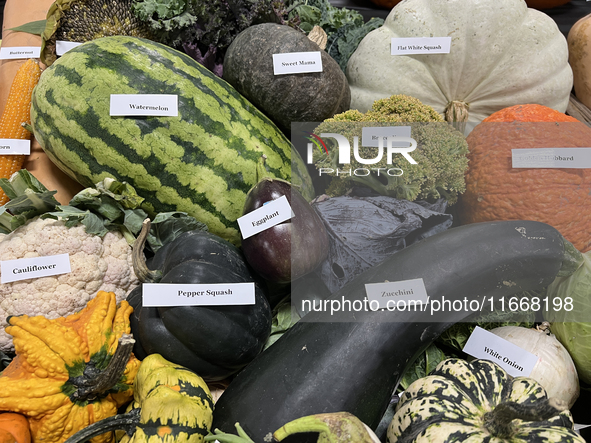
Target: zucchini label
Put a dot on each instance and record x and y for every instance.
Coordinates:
(400, 295)
(485, 345)
(270, 214)
(161, 105)
(571, 158)
(297, 62)
(36, 267)
(203, 294)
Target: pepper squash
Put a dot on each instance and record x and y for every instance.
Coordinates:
(71, 371)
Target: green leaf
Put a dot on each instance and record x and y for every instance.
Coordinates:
(36, 27)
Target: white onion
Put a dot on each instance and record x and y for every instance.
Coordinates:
(555, 369)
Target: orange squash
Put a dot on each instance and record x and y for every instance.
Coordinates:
(495, 190)
(579, 57)
(14, 428)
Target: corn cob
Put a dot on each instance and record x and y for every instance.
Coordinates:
(17, 112)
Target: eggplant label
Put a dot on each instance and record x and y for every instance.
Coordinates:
(420, 45)
(270, 214)
(571, 158)
(19, 52)
(15, 146)
(61, 46)
(163, 105)
(35, 267)
(197, 294)
(513, 359)
(297, 62)
(399, 295)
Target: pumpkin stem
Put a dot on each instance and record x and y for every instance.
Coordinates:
(498, 421)
(126, 422)
(142, 272)
(94, 381)
(457, 112)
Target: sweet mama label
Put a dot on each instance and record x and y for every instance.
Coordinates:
(297, 62)
(201, 294)
(35, 267)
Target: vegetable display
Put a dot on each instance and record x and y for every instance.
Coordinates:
(501, 54)
(579, 57)
(479, 401)
(496, 191)
(202, 162)
(352, 359)
(71, 371)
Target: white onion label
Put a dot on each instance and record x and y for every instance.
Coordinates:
(36, 267)
(370, 136)
(571, 158)
(485, 345)
(14, 146)
(270, 214)
(18, 52)
(202, 294)
(61, 46)
(297, 62)
(392, 295)
(420, 45)
(162, 105)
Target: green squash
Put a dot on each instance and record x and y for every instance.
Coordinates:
(479, 402)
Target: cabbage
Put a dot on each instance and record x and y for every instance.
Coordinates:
(572, 326)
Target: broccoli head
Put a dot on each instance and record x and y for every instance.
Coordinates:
(441, 153)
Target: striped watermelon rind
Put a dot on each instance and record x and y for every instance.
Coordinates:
(202, 162)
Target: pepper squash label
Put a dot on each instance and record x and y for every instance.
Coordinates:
(204, 294)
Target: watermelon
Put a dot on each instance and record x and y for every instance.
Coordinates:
(202, 162)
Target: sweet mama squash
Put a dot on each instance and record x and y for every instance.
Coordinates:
(496, 191)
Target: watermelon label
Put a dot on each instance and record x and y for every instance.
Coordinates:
(161, 105)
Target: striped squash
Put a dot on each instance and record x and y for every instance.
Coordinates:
(202, 162)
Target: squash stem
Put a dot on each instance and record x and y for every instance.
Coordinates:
(499, 421)
(222, 437)
(126, 422)
(140, 268)
(91, 384)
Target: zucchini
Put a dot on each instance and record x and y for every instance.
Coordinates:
(353, 362)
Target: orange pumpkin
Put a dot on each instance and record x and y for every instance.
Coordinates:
(14, 428)
(579, 57)
(495, 190)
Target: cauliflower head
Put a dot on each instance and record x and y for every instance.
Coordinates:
(97, 264)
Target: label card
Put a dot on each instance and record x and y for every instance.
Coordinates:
(370, 136)
(36, 267)
(420, 45)
(488, 346)
(297, 62)
(571, 158)
(61, 46)
(165, 105)
(204, 294)
(389, 294)
(14, 146)
(270, 214)
(18, 52)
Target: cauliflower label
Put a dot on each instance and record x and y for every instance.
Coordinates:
(24, 268)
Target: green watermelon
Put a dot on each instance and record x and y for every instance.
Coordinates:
(202, 162)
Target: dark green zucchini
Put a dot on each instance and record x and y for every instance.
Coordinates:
(354, 362)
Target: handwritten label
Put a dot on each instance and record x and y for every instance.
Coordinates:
(162, 105)
(203, 294)
(270, 214)
(36, 267)
(485, 345)
(297, 62)
(18, 52)
(571, 158)
(420, 45)
(392, 294)
(14, 146)
(61, 46)
(370, 136)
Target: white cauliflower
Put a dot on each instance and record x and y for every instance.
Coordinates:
(96, 264)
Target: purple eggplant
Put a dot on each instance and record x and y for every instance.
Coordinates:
(288, 250)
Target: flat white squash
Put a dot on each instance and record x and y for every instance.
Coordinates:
(502, 54)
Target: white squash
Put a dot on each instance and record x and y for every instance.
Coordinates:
(555, 369)
(502, 54)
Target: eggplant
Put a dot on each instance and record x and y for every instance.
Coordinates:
(353, 361)
(288, 250)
